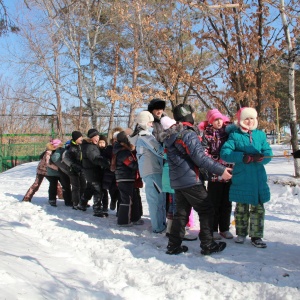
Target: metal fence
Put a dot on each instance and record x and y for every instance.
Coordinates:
(12, 155)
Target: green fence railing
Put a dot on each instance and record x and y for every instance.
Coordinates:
(12, 155)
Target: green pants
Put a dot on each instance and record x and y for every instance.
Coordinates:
(249, 221)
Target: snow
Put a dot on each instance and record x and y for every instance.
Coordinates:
(59, 253)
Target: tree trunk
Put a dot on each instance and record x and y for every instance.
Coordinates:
(114, 87)
(292, 103)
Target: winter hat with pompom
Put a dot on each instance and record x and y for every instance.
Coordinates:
(243, 114)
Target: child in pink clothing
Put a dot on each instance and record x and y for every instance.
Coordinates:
(214, 136)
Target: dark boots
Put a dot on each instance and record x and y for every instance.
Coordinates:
(213, 248)
(175, 249)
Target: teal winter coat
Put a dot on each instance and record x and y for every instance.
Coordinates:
(249, 181)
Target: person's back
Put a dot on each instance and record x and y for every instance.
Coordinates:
(150, 159)
(185, 156)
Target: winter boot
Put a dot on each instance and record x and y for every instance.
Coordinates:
(175, 249)
(240, 239)
(213, 248)
(226, 235)
(82, 205)
(52, 202)
(112, 205)
(217, 236)
(258, 242)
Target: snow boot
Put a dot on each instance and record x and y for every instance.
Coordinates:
(52, 202)
(213, 248)
(258, 242)
(175, 249)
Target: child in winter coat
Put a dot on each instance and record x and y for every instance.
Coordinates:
(41, 172)
(214, 136)
(150, 160)
(125, 164)
(52, 174)
(73, 159)
(247, 147)
(166, 123)
(185, 156)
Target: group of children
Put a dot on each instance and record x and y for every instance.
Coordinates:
(90, 167)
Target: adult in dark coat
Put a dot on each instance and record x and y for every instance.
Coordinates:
(156, 107)
(185, 156)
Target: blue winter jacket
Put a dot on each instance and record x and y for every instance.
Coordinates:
(149, 153)
(186, 155)
(249, 181)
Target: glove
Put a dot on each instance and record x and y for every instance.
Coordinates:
(248, 158)
(75, 169)
(258, 157)
(296, 154)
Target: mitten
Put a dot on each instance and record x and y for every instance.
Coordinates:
(248, 158)
(296, 154)
(258, 157)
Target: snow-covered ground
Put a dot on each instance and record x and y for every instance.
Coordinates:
(59, 253)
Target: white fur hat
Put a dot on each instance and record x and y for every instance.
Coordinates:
(144, 118)
(243, 114)
(167, 122)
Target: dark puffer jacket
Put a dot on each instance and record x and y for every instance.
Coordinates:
(126, 163)
(92, 161)
(73, 156)
(186, 155)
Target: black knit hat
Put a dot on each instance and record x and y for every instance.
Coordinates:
(183, 113)
(76, 135)
(156, 104)
(92, 132)
(122, 138)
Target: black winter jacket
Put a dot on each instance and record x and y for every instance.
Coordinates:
(126, 163)
(72, 157)
(92, 161)
(109, 178)
(186, 155)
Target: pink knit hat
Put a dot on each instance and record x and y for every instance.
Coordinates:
(56, 143)
(243, 114)
(167, 122)
(214, 114)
